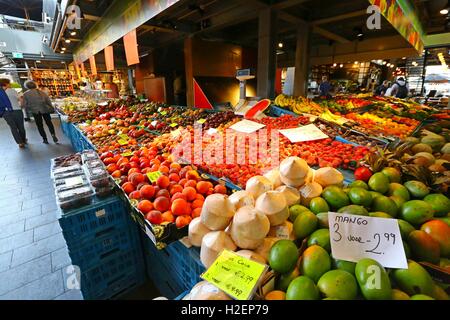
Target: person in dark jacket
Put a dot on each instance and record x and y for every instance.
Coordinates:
(10, 111)
(325, 88)
(381, 89)
(40, 105)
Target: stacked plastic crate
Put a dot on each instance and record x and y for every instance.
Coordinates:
(102, 239)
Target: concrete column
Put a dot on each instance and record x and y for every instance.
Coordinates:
(267, 44)
(301, 60)
(188, 65)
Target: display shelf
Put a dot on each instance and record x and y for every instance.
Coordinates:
(57, 82)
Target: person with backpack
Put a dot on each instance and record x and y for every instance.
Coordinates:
(40, 105)
(400, 89)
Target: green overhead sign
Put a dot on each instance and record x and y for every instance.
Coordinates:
(121, 17)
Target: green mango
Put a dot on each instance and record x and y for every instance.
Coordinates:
(373, 280)
(344, 265)
(414, 280)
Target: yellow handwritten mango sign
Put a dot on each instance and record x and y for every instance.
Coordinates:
(235, 275)
(153, 176)
(122, 142)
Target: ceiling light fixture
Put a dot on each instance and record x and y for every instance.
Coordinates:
(444, 11)
(73, 33)
(384, 63)
(280, 45)
(334, 64)
(67, 41)
(341, 65)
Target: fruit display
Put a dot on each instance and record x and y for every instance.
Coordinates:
(376, 126)
(299, 252)
(404, 108)
(344, 104)
(298, 105)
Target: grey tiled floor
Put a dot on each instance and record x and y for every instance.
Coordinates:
(33, 252)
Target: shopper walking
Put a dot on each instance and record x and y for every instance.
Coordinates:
(10, 111)
(381, 90)
(41, 107)
(325, 88)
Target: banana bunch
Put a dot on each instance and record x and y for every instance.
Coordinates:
(330, 117)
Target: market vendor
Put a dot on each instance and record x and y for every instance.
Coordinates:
(325, 88)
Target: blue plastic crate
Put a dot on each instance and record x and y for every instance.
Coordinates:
(93, 220)
(115, 276)
(182, 265)
(89, 253)
(276, 111)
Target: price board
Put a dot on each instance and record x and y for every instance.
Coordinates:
(122, 142)
(163, 113)
(201, 121)
(305, 133)
(173, 125)
(124, 137)
(127, 154)
(235, 275)
(153, 176)
(355, 237)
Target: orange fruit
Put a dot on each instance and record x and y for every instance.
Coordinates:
(163, 169)
(275, 295)
(175, 189)
(174, 177)
(220, 189)
(145, 206)
(178, 195)
(204, 186)
(147, 191)
(197, 204)
(163, 181)
(182, 221)
(190, 193)
(180, 207)
(135, 195)
(176, 166)
(191, 183)
(196, 212)
(168, 216)
(162, 204)
(128, 187)
(182, 182)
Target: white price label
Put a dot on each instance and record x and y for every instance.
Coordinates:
(150, 234)
(282, 232)
(305, 133)
(357, 237)
(100, 213)
(72, 182)
(247, 126)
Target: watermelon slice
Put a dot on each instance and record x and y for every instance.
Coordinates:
(258, 108)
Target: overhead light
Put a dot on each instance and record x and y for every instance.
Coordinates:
(356, 62)
(62, 52)
(280, 45)
(444, 11)
(341, 65)
(362, 63)
(67, 41)
(73, 33)
(334, 64)
(63, 49)
(384, 63)
(404, 58)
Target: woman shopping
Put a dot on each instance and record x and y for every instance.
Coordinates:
(40, 105)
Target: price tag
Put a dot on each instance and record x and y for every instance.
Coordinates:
(176, 133)
(173, 125)
(150, 234)
(282, 232)
(127, 154)
(164, 112)
(305, 133)
(201, 121)
(124, 136)
(72, 182)
(154, 123)
(357, 237)
(247, 126)
(153, 176)
(235, 275)
(122, 142)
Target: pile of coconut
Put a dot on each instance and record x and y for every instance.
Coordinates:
(250, 221)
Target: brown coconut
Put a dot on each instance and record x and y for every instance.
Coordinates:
(251, 255)
(212, 245)
(217, 211)
(274, 206)
(258, 185)
(292, 195)
(197, 231)
(274, 177)
(328, 176)
(309, 191)
(282, 231)
(241, 198)
(294, 169)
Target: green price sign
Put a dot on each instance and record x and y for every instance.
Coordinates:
(173, 125)
(127, 154)
(124, 136)
(163, 113)
(122, 142)
(235, 275)
(201, 121)
(153, 176)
